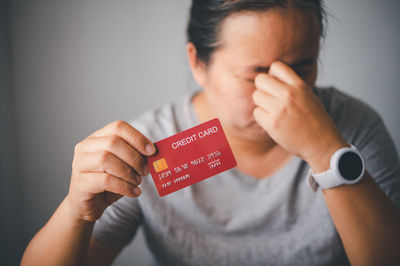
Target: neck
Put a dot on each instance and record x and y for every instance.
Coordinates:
(251, 148)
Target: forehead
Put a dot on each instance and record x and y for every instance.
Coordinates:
(276, 34)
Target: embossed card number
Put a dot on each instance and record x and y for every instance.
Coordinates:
(190, 157)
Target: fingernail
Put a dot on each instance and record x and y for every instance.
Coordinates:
(150, 149)
(145, 170)
(138, 179)
(137, 191)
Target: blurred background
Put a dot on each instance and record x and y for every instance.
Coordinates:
(68, 68)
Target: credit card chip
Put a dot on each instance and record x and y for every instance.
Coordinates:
(160, 165)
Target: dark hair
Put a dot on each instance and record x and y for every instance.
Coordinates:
(207, 16)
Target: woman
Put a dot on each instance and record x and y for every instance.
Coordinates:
(257, 64)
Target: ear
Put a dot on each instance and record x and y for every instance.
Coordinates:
(197, 66)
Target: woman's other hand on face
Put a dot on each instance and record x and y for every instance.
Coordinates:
(293, 115)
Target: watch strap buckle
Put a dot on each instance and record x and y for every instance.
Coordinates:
(312, 184)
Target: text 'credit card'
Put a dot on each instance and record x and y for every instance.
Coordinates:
(190, 157)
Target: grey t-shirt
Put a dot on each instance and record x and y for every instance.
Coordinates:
(236, 219)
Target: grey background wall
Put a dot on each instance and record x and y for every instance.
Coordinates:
(70, 67)
(10, 186)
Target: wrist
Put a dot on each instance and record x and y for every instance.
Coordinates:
(319, 161)
(74, 214)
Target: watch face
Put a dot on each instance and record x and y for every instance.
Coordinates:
(350, 165)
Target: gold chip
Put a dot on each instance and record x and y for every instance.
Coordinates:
(160, 165)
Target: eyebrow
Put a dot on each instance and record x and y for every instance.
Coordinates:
(262, 69)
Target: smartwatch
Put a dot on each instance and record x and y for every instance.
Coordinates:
(347, 167)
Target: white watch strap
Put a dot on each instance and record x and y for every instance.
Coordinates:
(327, 179)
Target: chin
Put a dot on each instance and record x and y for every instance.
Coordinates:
(257, 132)
(252, 131)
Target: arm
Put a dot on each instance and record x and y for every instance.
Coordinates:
(107, 165)
(366, 219)
(65, 240)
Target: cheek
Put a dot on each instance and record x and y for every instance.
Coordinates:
(230, 96)
(242, 97)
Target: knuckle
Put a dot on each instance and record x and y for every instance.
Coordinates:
(275, 65)
(77, 147)
(106, 180)
(117, 125)
(256, 112)
(104, 156)
(259, 78)
(282, 111)
(113, 141)
(128, 171)
(139, 140)
(79, 179)
(275, 123)
(300, 84)
(288, 96)
(125, 187)
(137, 160)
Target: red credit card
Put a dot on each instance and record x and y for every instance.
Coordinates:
(190, 157)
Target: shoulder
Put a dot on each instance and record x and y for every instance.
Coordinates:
(353, 117)
(338, 103)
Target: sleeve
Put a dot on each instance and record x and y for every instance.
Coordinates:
(381, 157)
(119, 223)
(363, 127)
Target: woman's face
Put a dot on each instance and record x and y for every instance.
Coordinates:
(250, 42)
